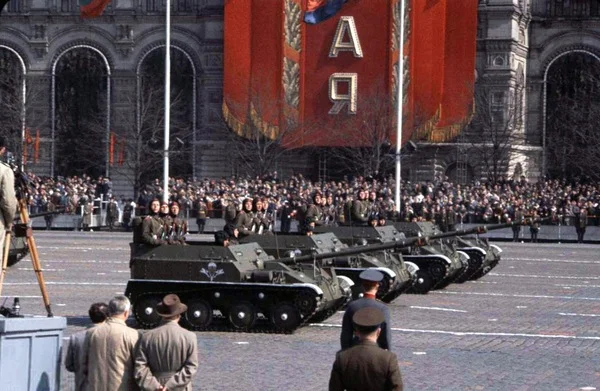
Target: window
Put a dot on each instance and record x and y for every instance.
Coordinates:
(497, 106)
(13, 6)
(573, 8)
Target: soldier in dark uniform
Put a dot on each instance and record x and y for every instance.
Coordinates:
(450, 217)
(286, 217)
(370, 279)
(360, 209)
(244, 221)
(50, 208)
(314, 214)
(201, 214)
(581, 220)
(534, 226)
(153, 232)
(329, 211)
(112, 213)
(261, 223)
(366, 366)
(518, 218)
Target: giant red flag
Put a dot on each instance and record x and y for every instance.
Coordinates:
(324, 75)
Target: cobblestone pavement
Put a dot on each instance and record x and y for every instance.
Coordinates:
(531, 324)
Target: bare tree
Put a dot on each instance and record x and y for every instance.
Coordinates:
(16, 105)
(371, 131)
(494, 130)
(138, 146)
(255, 144)
(573, 117)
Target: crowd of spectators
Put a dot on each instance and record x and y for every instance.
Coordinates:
(478, 202)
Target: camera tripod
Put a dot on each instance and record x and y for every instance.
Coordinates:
(24, 230)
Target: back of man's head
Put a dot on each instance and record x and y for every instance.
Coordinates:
(98, 312)
(118, 305)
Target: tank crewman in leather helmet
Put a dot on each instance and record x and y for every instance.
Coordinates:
(370, 280)
(177, 227)
(153, 232)
(366, 366)
(244, 220)
(360, 209)
(313, 214)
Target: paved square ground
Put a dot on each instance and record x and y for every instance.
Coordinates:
(531, 324)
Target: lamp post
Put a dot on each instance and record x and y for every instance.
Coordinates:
(167, 102)
(400, 103)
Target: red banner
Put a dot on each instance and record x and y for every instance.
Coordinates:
(330, 79)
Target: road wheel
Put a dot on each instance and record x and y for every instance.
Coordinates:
(423, 283)
(242, 315)
(144, 310)
(285, 317)
(198, 315)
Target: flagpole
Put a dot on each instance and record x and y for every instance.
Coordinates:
(167, 102)
(400, 104)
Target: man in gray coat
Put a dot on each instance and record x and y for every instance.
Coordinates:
(8, 201)
(167, 356)
(110, 351)
(76, 353)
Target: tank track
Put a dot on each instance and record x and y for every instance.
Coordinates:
(431, 273)
(221, 323)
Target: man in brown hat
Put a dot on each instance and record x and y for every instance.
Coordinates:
(167, 356)
(366, 366)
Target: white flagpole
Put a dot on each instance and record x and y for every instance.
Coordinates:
(167, 103)
(400, 101)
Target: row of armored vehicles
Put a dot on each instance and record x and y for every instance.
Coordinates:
(278, 283)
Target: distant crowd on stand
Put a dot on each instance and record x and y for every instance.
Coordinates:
(358, 199)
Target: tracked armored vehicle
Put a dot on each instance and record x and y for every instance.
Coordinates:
(483, 256)
(437, 264)
(397, 276)
(238, 287)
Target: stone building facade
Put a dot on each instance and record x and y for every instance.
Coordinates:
(518, 42)
(39, 33)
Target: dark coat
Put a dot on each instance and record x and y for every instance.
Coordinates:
(244, 222)
(347, 337)
(153, 231)
(365, 367)
(360, 212)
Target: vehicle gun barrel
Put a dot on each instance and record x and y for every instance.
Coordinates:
(399, 244)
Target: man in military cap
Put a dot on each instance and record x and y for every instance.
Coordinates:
(8, 201)
(370, 280)
(366, 366)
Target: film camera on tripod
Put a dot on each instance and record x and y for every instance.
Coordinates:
(21, 230)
